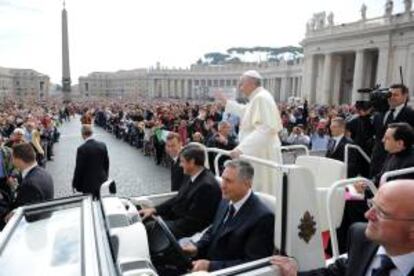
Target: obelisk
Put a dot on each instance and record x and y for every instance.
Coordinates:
(66, 82)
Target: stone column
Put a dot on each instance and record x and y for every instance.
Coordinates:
(337, 77)
(309, 78)
(163, 88)
(324, 94)
(294, 86)
(358, 75)
(151, 88)
(283, 90)
(382, 67)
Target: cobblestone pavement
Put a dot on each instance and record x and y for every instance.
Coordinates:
(134, 173)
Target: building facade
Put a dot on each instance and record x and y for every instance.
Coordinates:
(23, 83)
(282, 79)
(338, 60)
(121, 84)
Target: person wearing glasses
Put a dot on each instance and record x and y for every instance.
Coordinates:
(398, 142)
(383, 246)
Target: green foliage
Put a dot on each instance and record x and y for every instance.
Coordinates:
(273, 54)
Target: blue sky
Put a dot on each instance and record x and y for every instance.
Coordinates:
(109, 35)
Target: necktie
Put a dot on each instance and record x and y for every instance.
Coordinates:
(390, 117)
(386, 266)
(230, 213)
(331, 145)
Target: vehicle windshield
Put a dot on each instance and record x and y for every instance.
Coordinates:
(49, 242)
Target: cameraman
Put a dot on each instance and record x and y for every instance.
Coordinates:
(398, 111)
(361, 131)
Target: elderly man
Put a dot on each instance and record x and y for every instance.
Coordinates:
(259, 127)
(16, 138)
(384, 246)
(243, 227)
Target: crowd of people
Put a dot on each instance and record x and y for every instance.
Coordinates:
(165, 129)
(28, 131)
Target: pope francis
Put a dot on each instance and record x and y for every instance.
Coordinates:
(260, 124)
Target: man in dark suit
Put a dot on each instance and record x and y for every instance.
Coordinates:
(243, 228)
(36, 184)
(223, 139)
(384, 246)
(336, 145)
(173, 146)
(398, 111)
(193, 208)
(92, 164)
(398, 143)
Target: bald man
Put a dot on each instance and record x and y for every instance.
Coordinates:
(259, 127)
(384, 246)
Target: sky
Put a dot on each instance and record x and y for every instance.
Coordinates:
(110, 35)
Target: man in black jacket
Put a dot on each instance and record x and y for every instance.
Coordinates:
(384, 246)
(223, 139)
(193, 208)
(362, 133)
(243, 227)
(398, 143)
(36, 185)
(398, 111)
(173, 146)
(336, 145)
(92, 164)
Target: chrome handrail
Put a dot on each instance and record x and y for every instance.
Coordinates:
(336, 185)
(389, 174)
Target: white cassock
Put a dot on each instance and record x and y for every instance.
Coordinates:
(260, 124)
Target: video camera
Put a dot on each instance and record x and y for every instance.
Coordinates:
(378, 98)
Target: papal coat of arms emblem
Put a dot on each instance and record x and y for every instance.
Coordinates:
(307, 227)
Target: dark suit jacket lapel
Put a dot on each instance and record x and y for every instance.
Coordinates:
(400, 115)
(221, 213)
(240, 217)
(195, 183)
(365, 258)
(29, 173)
(342, 141)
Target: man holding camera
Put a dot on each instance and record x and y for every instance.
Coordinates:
(398, 111)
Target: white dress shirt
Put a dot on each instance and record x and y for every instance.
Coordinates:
(28, 169)
(397, 111)
(404, 263)
(237, 205)
(194, 177)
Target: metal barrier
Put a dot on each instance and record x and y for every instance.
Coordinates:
(360, 151)
(295, 147)
(389, 174)
(335, 186)
(221, 152)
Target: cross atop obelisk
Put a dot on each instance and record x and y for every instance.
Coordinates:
(66, 82)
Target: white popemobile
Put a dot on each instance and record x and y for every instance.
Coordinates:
(81, 236)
